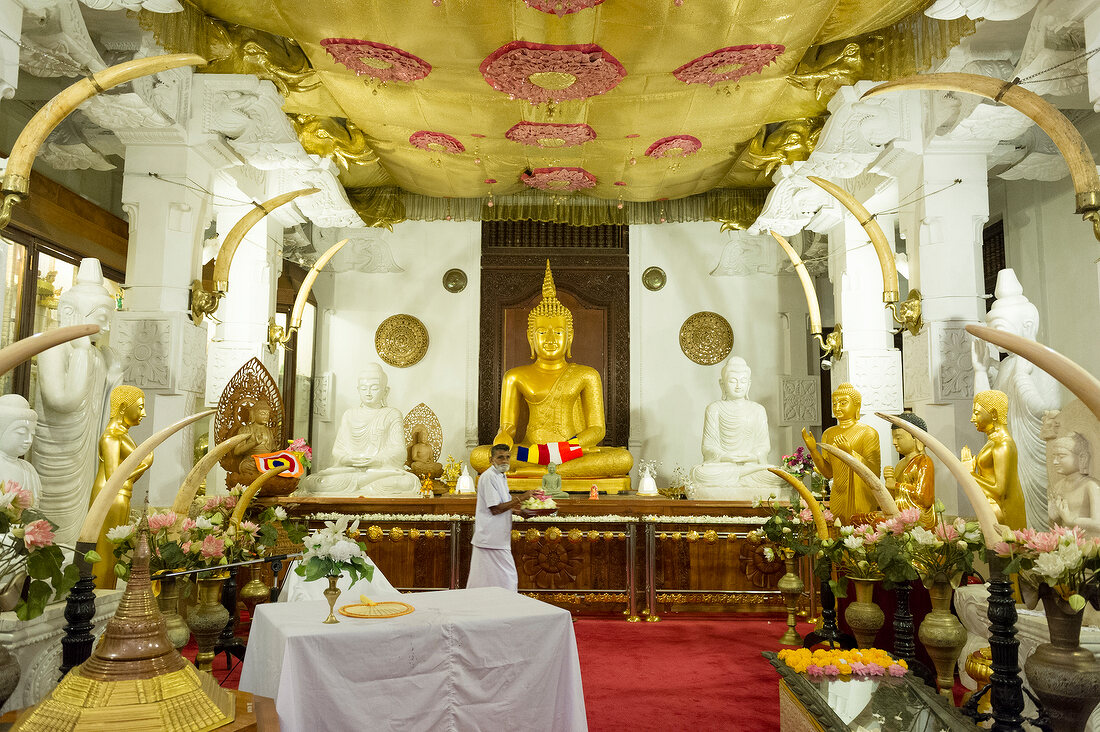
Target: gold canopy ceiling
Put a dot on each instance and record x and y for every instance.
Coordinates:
(440, 127)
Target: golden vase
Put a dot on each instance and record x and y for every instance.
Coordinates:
(331, 593)
(255, 592)
(1065, 676)
(168, 602)
(791, 586)
(864, 617)
(943, 635)
(207, 619)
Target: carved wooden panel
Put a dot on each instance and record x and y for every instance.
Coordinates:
(593, 282)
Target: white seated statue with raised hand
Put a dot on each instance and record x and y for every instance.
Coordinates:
(17, 422)
(369, 453)
(735, 443)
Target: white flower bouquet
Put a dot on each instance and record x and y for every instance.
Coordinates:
(333, 550)
(1061, 561)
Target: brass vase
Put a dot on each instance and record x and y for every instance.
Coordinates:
(943, 635)
(331, 593)
(791, 586)
(864, 617)
(1065, 676)
(168, 601)
(255, 592)
(207, 619)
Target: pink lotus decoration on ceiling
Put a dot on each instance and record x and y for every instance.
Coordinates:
(561, 7)
(539, 72)
(550, 134)
(677, 146)
(436, 142)
(729, 64)
(367, 58)
(559, 179)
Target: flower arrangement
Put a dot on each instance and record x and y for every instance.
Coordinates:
(676, 146)
(563, 180)
(834, 663)
(28, 545)
(800, 464)
(540, 72)
(550, 134)
(300, 446)
(946, 552)
(367, 58)
(333, 550)
(871, 552)
(790, 529)
(728, 64)
(1061, 561)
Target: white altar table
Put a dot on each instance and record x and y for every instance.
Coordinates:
(482, 659)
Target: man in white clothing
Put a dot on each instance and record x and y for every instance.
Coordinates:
(491, 564)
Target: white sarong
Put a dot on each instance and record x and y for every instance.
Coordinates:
(492, 568)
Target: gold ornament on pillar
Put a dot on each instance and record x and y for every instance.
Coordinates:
(17, 173)
(205, 302)
(1062, 132)
(833, 344)
(906, 314)
(277, 335)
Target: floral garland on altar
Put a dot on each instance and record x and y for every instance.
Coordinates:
(550, 134)
(539, 72)
(436, 142)
(674, 146)
(729, 64)
(564, 180)
(367, 58)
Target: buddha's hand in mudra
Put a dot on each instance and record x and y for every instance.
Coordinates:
(359, 461)
(842, 443)
(966, 457)
(808, 438)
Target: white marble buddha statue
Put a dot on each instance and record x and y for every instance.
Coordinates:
(75, 380)
(1031, 391)
(17, 422)
(369, 453)
(1074, 498)
(735, 443)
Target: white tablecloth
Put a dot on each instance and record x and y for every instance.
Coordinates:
(482, 659)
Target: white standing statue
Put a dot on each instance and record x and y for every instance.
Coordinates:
(369, 453)
(75, 380)
(1031, 391)
(17, 421)
(735, 443)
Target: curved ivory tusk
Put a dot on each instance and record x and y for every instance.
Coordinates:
(240, 229)
(1082, 166)
(1081, 383)
(991, 530)
(26, 348)
(882, 496)
(17, 173)
(307, 283)
(807, 283)
(815, 507)
(190, 486)
(93, 523)
(250, 493)
(874, 232)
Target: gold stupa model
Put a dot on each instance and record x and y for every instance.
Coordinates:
(135, 679)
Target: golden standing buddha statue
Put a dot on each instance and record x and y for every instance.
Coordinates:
(995, 466)
(849, 498)
(127, 410)
(912, 481)
(564, 403)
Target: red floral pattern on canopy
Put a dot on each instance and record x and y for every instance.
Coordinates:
(539, 72)
(674, 146)
(436, 142)
(367, 58)
(559, 179)
(728, 64)
(561, 7)
(550, 134)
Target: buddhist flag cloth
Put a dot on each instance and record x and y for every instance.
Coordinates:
(295, 468)
(552, 452)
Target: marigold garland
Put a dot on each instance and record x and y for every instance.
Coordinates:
(832, 663)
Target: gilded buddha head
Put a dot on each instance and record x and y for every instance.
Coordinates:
(990, 410)
(550, 324)
(846, 402)
(128, 405)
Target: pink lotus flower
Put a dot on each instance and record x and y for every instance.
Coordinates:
(250, 527)
(187, 525)
(23, 498)
(212, 548)
(186, 546)
(1043, 542)
(896, 670)
(1002, 548)
(946, 532)
(162, 521)
(38, 534)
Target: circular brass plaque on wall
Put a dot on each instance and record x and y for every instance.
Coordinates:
(654, 278)
(401, 340)
(706, 338)
(454, 280)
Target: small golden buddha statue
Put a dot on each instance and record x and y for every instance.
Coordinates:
(421, 460)
(995, 466)
(850, 499)
(564, 404)
(127, 410)
(261, 437)
(912, 481)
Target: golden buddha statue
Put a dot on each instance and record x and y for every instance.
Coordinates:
(127, 410)
(912, 481)
(995, 466)
(850, 499)
(564, 402)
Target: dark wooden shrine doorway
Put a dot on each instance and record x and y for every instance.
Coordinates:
(591, 272)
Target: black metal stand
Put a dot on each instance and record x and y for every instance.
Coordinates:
(1006, 686)
(829, 632)
(76, 644)
(228, 643)
(904, 645)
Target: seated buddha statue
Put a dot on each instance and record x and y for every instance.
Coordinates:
(1074, 497)
(912, 482)
(995, 465)
(735, 443)
(565, 422)
(421, 460)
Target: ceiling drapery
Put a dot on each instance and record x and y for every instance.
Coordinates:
(625, 101)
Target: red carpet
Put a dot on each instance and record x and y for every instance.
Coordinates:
(680, 674)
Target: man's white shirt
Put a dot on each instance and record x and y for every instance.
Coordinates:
(492, 531)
